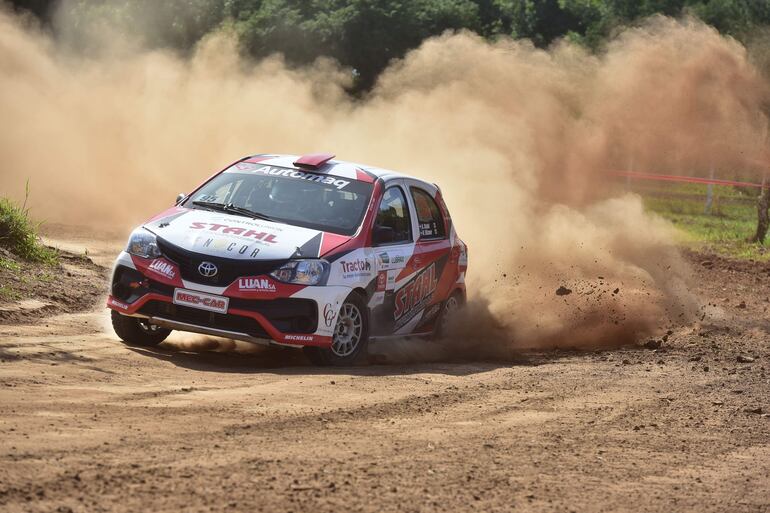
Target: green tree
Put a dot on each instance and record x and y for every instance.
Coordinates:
(363, 34)
(177, 24)
(542, 21)
(738, 18)
(367, 34)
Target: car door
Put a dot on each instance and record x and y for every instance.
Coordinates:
(427, 277)
(393, 258)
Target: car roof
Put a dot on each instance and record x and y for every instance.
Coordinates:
(332, 166)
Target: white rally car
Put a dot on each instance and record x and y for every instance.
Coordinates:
(306, 252)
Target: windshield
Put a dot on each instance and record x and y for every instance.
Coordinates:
(311, 200)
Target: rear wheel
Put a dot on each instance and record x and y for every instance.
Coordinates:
(137, 332)
(351, 336)
(448, 311)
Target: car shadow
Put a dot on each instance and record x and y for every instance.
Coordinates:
(213, 357)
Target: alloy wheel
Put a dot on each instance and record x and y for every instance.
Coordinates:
(347, 333)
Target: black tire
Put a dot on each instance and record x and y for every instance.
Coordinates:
(137, 332)
(344, 352)
(454, 303)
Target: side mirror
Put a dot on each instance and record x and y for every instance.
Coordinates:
(383, 235)
(180, 198)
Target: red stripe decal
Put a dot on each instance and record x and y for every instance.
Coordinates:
(331, 241)
(257, 159)
(364, 176)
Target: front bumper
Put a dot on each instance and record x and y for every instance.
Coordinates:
(301, 316)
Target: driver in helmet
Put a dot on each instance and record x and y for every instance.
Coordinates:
(293, 198)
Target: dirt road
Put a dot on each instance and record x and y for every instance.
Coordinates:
(88, 424)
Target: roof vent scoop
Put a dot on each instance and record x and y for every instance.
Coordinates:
(313, 160)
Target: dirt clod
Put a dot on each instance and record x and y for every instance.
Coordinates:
(653, 344)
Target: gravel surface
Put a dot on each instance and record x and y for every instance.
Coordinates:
(676, 424)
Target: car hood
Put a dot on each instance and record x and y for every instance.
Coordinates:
(237, 237)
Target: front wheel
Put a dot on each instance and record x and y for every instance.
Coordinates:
(351, 336)
(137, 332)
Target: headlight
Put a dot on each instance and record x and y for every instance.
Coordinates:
(143, 244)
(302, 272)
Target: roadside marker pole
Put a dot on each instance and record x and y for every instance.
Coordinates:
(709, 193)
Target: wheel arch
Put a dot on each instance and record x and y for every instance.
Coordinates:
(459, 291)
(362, 292)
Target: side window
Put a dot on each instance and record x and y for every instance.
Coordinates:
(428, 215)
(393, 224)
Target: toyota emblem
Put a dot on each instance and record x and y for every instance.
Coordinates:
(207, 269)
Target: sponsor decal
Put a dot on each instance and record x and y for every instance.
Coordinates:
(382, 281)
(200, 300)
(391, 259)
(115, 302)
(163, 268)
(329, 315)
(301, 175)
(258, 284)
(239, 231)
(230, 246)
(356, 266)
(432, 311)
(416, 293)
(305, 338)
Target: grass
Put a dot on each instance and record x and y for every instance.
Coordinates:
(7, 264)
(18, 233)
(733, 218)
(8, 293)
(46, 277)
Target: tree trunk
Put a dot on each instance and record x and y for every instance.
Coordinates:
(763, 215)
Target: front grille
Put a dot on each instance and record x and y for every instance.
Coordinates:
(228, 269)
(203, 318)
(288, 315)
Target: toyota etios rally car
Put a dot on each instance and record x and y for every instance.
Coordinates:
(298, 251)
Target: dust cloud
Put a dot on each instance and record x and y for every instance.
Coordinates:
(519, 139)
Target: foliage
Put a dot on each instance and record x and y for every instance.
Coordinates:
(18, 233)
(178, 24)
(8, 294)
(366, 35)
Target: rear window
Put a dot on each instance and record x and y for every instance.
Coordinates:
(428, 215)
(303, 198)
